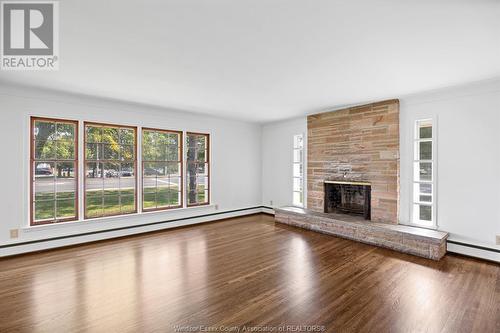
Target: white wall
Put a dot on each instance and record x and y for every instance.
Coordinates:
(468, 158)
(235, 157)
(468, 130)
(277, 160)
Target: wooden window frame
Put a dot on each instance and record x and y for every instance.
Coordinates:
(33, 119)
(91, 123)
(181, 170)
(208, 160)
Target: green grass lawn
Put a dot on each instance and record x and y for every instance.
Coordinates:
(104, 203)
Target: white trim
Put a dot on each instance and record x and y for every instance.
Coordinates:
(50, 244)
(473, 252)
(414, 141)
(301, 176)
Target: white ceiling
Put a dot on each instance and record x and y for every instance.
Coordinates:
(264, 60)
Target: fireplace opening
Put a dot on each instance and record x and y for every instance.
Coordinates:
(348, 198)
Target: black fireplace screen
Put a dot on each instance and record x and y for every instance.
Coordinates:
(348, 199)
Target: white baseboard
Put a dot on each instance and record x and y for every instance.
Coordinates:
(474, 251)
(39, 245)
(268, 210)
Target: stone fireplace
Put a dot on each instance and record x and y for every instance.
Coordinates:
(343, 197)
(353, 177)
(357, 144)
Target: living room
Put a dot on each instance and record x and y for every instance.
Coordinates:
(250, 166)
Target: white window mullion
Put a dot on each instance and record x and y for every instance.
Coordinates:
(424, 175)
(298, 171)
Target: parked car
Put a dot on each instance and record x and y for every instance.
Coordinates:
(111, 173)
(151, 172)
(127, 173)
(44, 171)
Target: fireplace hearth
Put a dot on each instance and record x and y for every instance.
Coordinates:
(346, 197)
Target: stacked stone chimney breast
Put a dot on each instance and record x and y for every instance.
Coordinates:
(359, 144)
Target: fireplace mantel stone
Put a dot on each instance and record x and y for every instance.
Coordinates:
(411, 240)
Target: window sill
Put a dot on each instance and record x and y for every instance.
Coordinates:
(118, 219)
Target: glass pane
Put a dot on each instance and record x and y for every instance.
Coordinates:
(112, 170)
(163, 193)
(297, 155)
(93, 134)
(94, 170)
(424, 129)
(128, 203)
(45, 149)
(175, 183)
(111, 151)
(201, 142)
(423, 171)
(44, 210)
(151, 169)
(127, 153)
(127, 136)
(44, 130)
(111, 204)
(111, 186)
(65, 180)
(297, 199)
(201, 155)
(425, 213)
(422, 192)
(162, 138)
(44, 169)
(425, 188)
(425, 150)
(91, 151)
(173, 153)
(149, 200)
(44, 187)
(149, 184)
(110, 135)
(297, 170)
(65, 131)
(93, 204)
(173, 168)
(148, 146)
(161, 152)
(297, 184)
(127, 171)
(192, 196)
(425, 198)
(298, 141)
(174, 139)
(65, 208)
(65, 150)
(202, 194)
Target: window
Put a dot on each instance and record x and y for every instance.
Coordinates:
(423, 174)
(298, 170)
(198, 179)
(54, 170)
(110, 170)
(161, 169)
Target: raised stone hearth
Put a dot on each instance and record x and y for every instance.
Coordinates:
(417, 241)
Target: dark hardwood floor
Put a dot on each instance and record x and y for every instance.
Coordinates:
(244, 271)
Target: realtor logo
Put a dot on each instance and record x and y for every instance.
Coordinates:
(30, 35)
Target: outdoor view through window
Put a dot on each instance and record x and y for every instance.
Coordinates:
(110, 162)
(197, 169)
(109, 170)
(162, 169)
(54, 163)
